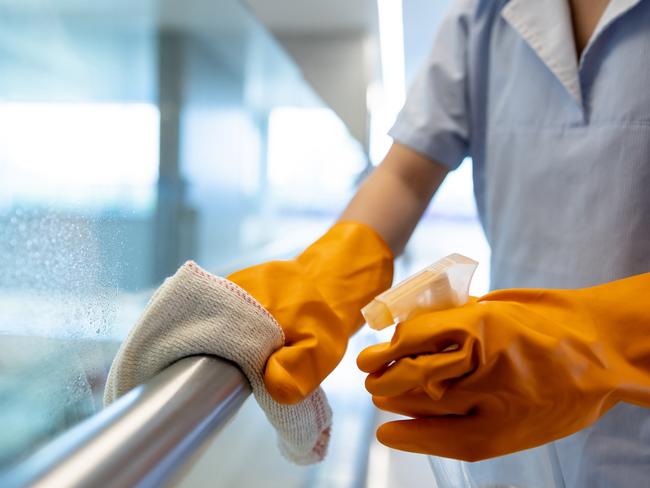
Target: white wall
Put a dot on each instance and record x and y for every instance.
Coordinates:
(335, 43)
(336, 65)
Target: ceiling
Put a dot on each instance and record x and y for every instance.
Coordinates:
(316, 16)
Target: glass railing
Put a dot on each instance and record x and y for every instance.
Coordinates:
(134, 136)
(146, 437)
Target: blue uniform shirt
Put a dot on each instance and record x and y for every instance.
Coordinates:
(561, 153)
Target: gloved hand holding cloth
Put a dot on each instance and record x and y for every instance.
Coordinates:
(317, 300)
(513, 369)
(286, 324)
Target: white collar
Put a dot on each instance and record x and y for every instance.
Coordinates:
(614, 10)
(547, 28)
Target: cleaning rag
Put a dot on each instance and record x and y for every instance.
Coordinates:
(194, 313)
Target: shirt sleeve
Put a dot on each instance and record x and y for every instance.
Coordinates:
(434, 119)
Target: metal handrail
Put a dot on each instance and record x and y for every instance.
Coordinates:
(146, 435)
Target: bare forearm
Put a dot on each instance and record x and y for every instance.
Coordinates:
(394, 197)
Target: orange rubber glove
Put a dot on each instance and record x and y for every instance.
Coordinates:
(512, 370)
(317, 299)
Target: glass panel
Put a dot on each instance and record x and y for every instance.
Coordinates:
(134, 136)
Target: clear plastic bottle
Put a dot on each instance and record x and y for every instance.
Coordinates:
(532, 468)
(444, 284)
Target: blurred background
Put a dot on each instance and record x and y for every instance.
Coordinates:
(135, 135)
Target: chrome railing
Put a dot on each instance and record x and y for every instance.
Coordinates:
(146, 436)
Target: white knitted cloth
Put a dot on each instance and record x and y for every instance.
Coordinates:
(195, 312)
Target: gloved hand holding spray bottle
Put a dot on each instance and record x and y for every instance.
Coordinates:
(506, 372)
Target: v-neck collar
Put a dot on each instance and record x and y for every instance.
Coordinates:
(547, 28)
(614, 10)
